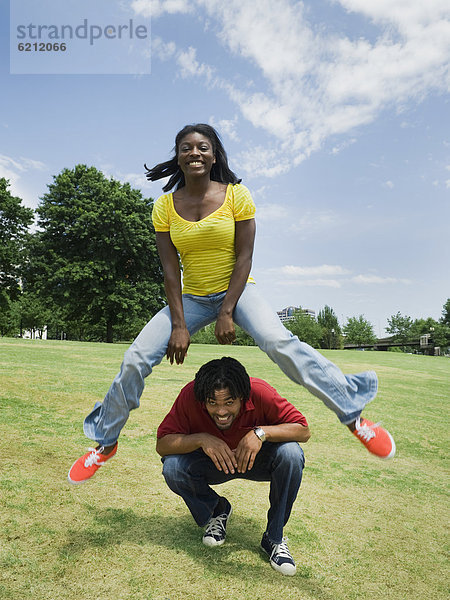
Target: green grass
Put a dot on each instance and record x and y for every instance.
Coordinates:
(361, 527)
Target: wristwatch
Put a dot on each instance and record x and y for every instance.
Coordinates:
(259, 432)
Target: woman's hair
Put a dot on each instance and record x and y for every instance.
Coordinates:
(222, 373)
(220, 170)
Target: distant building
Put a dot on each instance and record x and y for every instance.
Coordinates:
(288, 313)
(35, 334)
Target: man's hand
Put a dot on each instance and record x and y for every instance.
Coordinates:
(224, 331)
(219, 452)
(246, 451)
(178, 345)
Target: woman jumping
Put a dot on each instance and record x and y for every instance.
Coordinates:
(208, 223)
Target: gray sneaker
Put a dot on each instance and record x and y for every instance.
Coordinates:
(279, 556)
(216, 529)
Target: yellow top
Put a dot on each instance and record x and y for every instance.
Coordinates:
(206, 247)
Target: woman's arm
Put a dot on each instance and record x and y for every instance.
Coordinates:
(244, 244)
(180, 339)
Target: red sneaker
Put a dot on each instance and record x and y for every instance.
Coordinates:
(377, 440)
(83, 468)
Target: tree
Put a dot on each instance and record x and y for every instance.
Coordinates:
(206, 336)
(95, 254)
(34, 313)
(445, 319)
(14, 222)
(331, 330)
(439, 331)
(359, 331)
(306, 328)
(401, 328)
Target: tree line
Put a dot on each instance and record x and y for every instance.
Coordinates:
(325, 332)
(89, 270)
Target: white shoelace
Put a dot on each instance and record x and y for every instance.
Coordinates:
(281, 550)
(92, 459)
(216, 525)
(366, 432)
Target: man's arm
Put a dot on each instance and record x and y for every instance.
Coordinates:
(250, 444)
(286, 432)
(217, 450)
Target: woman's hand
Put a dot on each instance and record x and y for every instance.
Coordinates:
(224, 331)
(178, 345)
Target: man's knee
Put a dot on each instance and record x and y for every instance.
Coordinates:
(290, 453)
(173, 470)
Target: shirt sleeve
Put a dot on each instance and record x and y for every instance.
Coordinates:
(178, 419)
(243, 206)
(276, 409)
(160, 214)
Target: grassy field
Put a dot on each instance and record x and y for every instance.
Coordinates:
(361, 527)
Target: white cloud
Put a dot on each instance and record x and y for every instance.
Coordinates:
(271, 212)
(263, 161)
(312, 283)
(389, 184)
(321, 270)
(226, 127)
(312, 221)
(163, 50)
(318, 84)
(339, 147)
(447, 183)
(375, 279)
(189, 65)
(15, 170)
(335, 276)
(12, 169)
(155, 8)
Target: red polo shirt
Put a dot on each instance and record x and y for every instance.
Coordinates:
(264, 407)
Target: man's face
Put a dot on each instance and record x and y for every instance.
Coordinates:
(223, 409)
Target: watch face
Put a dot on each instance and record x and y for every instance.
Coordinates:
(260, 433)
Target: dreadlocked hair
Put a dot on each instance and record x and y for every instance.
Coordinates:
(222, 373)
(220, 171)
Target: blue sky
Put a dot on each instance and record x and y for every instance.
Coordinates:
(334, 112)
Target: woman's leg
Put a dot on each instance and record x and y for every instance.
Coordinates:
(346, 395)
(107, 418)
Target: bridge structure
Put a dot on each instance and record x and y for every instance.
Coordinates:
(425, 344)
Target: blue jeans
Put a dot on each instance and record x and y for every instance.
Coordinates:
(346, 395)
(190, 476)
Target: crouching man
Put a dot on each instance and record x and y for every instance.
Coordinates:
(225, 425)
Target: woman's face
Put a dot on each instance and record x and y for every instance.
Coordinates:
(195, 155)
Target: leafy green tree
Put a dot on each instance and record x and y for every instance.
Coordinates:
(445, 319)
(9, 319)
(243, 338)
(306, 328)
(34, 313)
(401, 328)
(206, 336)
(331, 330)
(95, 254)
(14, 222)
(439, 331)
(359, 331)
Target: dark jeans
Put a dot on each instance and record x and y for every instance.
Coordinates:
(190, 476)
